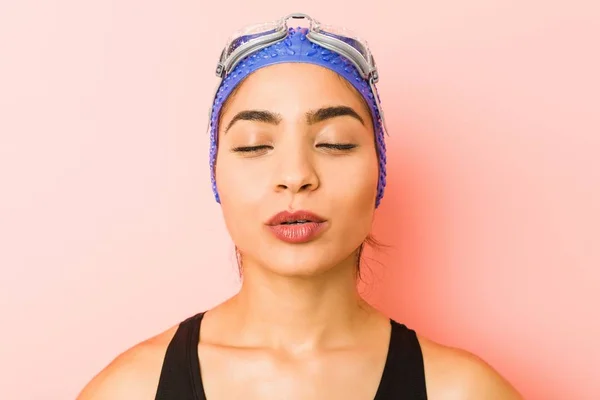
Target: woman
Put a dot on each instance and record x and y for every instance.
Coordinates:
(300, 172)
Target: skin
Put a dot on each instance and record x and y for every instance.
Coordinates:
(298, 329)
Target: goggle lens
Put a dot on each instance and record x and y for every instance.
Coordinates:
(348, 37)
(250, 33)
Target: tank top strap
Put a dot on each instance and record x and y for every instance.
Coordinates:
(404, 372)
(181, 368)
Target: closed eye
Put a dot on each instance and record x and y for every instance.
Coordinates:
(338, 146)
(250, 149)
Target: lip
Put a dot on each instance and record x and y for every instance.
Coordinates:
(296, 233)
(286, 216)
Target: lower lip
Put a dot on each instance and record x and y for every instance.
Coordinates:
(297, 233)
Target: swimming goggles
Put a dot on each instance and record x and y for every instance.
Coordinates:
(339, 40)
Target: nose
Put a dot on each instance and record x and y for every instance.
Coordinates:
(296, 172)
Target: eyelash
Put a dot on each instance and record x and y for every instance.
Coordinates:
(338, 146)
(250, 149)
(334, 146)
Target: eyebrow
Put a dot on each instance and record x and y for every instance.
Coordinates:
(325, 113)
(312, 117)
(255, 115)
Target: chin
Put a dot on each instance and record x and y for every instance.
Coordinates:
(291, 270)
(303, 262)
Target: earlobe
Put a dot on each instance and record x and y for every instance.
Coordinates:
(238, 258)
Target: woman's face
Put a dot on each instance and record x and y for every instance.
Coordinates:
(296, 137)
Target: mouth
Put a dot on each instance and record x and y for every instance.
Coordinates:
(297, 227)
(295, 218)
(299, 222)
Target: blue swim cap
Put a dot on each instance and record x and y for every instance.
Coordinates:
(297, 48)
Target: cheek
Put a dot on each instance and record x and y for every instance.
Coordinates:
(241, 182)
(241, 192)
(351, 190)
(354, 184)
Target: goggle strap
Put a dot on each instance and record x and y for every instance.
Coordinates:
(210, 108)
(378, 104)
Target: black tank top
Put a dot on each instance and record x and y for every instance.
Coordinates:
(180, 379)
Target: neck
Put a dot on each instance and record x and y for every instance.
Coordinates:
(298, 313)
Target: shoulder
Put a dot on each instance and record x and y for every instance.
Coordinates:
(134, 374)
(452, 373)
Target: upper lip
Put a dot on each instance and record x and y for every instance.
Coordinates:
(286, 216)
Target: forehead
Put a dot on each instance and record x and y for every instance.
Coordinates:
(290, 86)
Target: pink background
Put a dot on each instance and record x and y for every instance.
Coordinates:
(109, 232)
